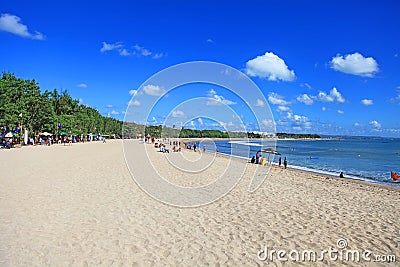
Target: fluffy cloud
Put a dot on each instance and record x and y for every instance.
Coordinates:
(114, 112)
(153, 90)
(12, 24)
(260, 103)
(367, 102)
(135, 103)
(355, 64)
(133, 92)
(340, 111)
(216, 100)
(277, 99)
(178, 114)
(375, 124)
(200, 121)
(269, 66)
(323, 108)
(334, 95)
(283, 109)
(306, 99)
(299, 122)
(82, 85)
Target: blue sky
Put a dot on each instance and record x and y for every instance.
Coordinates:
(331, 67)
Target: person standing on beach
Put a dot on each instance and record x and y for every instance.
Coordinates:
(280, 161)
(194, 147)
(285, 163)
(257, 157)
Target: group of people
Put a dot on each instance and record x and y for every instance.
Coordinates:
(256, 160)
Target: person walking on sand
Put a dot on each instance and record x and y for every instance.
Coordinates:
(285, 163)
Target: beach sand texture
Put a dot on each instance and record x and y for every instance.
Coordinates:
(78, 205)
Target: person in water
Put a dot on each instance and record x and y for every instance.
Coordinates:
(285, 163)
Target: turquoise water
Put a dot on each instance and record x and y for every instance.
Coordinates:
(366, 158)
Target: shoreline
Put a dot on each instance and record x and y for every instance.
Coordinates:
(357, 179)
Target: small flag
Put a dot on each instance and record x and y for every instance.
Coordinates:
(20, 115)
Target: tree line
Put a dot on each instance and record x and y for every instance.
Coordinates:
(52, 111)
(56, 111)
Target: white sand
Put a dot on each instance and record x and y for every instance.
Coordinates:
(78, 205)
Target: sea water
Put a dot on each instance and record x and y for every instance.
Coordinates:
(364, 158)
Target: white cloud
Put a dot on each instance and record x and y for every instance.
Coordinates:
(136, 50)
(268, 123)
(340, 111)
(209, 40)
(375, 124)
(133, 92)
(306, 99)
(277, 99)
(178, 114)
(260, 103)
(12, 24)
(299, 122)
(283, 109)
(200, 121)
(269, 66)
(124, 52)
(357, 124)
(217, 100)
(306, 85)
(82, 85)
(109, 47)
(109, 106)
(142, 51)
(355, 64)
(323, 108)
(135, 103)
(114, 112)
(334, 95)
(367, 102)
(158, 55)
(153, 90)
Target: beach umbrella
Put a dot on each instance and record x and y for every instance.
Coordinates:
(269, 151)
(9, 134)
(63, 133)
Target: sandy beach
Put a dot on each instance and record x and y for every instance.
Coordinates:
(79, 206)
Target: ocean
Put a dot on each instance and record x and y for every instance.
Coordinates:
(362, 158)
